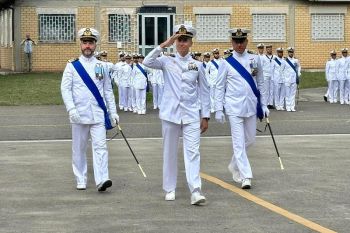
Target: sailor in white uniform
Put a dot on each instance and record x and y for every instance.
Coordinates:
(292, 73)
(181, 113)
(239, 82)
(211, 73)
(86, 115)
(331, 77)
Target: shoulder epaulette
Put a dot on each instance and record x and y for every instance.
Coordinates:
(72, 60)
(226, 55)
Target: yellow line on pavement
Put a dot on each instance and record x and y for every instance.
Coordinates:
(272, 207)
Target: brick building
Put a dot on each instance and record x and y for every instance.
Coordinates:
(312, 27)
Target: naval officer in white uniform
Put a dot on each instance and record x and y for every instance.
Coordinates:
(236, 96)
(184, 112)
(85, 114)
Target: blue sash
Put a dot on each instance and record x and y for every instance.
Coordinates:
(141, 69)
(278, 61)
(145, 74)
(248, 77)
(95, 92)
(215, 64)
(294, 68)
(204, 65)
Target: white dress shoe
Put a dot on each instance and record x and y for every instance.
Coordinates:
(170, 196)
(246, 183)
(197, 198)
(81, 187)
(235, 174)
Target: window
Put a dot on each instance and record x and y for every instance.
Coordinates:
(119, 28)
(327, 27)
(6, 27)
(212, 27)
(57, 27)
(269, 27)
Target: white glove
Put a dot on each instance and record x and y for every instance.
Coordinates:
(115, 118)
(220, 117)
(74, 115)
(266, 111)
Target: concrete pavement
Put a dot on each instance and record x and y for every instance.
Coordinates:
(37, 189)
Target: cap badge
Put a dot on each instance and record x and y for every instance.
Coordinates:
(182, 30)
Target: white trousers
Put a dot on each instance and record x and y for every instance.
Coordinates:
(80, 136)
(290, 95)
(347, 91)
(141, 99)
(126, 95)
(157, 94)
(191, 140)
(243, 131)
(334, 93)
(269, 86)
(280, 93)
(120, 97)
(133, 98)
(341, 90)
(212, 97)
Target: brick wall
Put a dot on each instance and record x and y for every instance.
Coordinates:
(53, 56)
(314, 54)
(6, 61)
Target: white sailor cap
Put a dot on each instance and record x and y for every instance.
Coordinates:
(88, 34)
(103, 53)
(197, 53)
(333, 52)
(261, 45)
(216, 50)
(227, 51)
(185, 30)
(344, 50)
(239, 33)
(280, 49)
(122, 53)
(128, 55)
(290, 49)
(268, 46)
(206, 54)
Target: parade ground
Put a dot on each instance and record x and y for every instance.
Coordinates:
(311, 194)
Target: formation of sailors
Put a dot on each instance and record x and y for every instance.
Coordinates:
(338, 77)
(281, 77)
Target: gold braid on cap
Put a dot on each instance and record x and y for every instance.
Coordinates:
(182, 30)
(87, 32)
(239, 32)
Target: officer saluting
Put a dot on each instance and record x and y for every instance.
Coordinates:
(86, 90)
(240, 79)
(181, 114)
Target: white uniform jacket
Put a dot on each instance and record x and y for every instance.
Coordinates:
(182, 75)
(211, 72)
(125, 74)
(233, 91)
(76, 94)
(347, 71)
(331, 70)
(277, 70)
(157, 77)
(116, 71)
(139, 79)
(267, 62)
(289, 73)
(341, 68)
